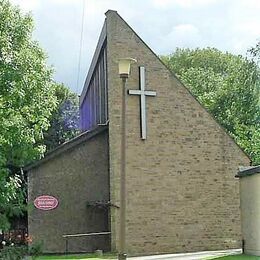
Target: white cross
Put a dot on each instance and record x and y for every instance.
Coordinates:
(143, 93)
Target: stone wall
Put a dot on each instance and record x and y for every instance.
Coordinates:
(181, 192)
(75, 173)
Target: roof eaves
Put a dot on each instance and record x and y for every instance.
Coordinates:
(85, 136)
(248, 171)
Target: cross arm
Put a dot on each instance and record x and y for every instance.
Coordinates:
(134, 92)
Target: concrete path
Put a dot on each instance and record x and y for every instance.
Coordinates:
(190, 256)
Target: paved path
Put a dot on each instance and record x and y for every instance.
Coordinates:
(190, 256)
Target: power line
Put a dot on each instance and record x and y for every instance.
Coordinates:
(81, 42)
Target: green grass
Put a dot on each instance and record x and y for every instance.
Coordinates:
(113, 256)
(238, 257)
(78, 256)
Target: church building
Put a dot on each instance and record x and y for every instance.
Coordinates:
(182, 194)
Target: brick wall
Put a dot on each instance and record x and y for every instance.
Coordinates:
(181, 192)
(79, 173)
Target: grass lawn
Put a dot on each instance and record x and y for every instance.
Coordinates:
(79, 257)
(238, 257)
(113, 256)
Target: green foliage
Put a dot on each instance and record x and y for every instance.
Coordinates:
(13, 252)
(11, 199)
(255, 52)
(26, 103)
(35, 249)
(27, 90)
(64, 120)
(228, 86)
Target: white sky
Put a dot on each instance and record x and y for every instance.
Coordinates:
(229, 25)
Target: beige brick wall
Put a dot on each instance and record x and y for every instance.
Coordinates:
(75, 176)
(181, 192)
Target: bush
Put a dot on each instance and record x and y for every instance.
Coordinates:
(13, 252)
(35, 249)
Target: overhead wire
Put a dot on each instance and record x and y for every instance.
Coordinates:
(81, 43)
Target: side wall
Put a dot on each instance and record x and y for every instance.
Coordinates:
(250, 212)
(181, 192)
(74, 177)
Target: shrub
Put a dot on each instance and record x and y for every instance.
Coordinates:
(35, 249)
(13, 252)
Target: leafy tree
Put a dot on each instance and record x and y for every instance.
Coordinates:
(228, 86)
(255, 52)
(64, 120)
(27, 100)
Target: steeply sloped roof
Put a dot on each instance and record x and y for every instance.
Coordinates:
(114, 13)
(101, 41)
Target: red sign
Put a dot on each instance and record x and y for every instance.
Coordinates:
(46, 202)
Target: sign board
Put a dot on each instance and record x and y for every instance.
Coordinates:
(45, 202)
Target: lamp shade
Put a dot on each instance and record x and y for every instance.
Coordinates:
(124, 66)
